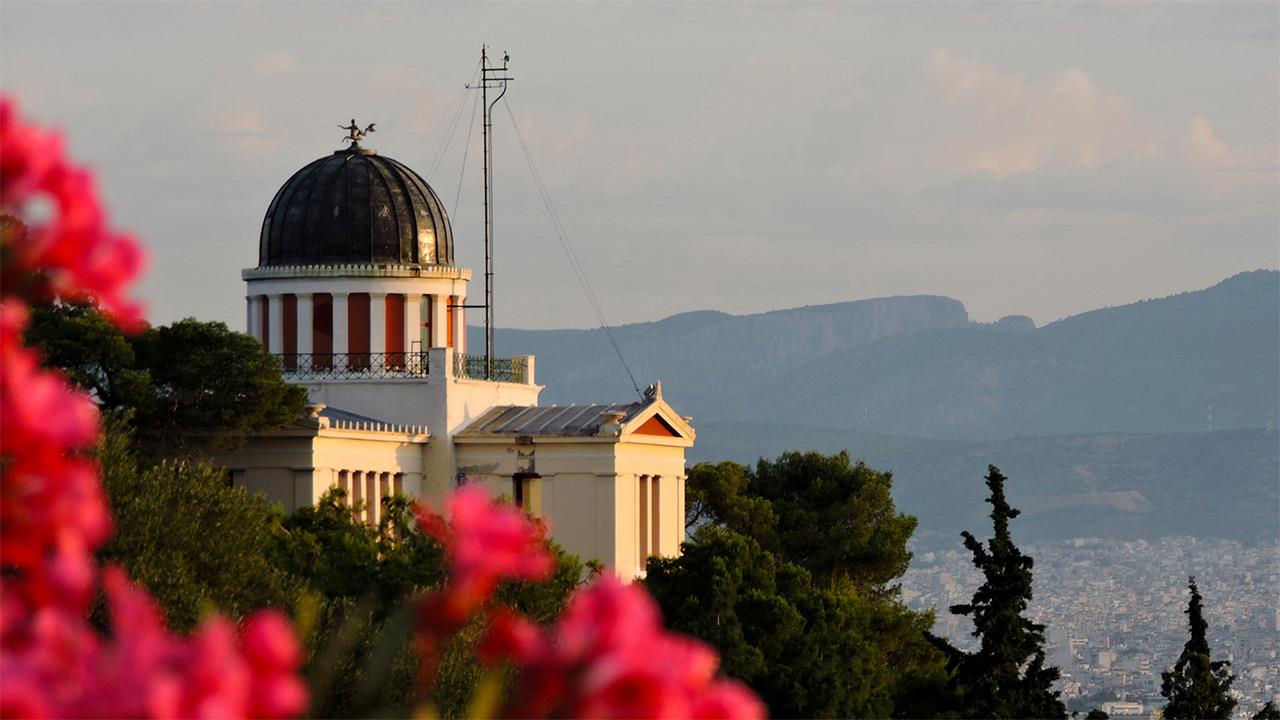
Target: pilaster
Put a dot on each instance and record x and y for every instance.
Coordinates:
(460, 326)
(254, 324)
(439, 320)
(341, 343)
(304, 324)
(377, 325)
(275, 323)
(413, 323)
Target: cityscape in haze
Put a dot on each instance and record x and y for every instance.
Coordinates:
(751, 308)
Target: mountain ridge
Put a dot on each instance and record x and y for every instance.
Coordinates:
(918, 365)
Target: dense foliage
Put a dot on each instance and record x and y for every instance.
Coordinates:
(825, 513)
(187, 379)
(193, 541)
(1197, 686)
(788, 574)
(808, 651)
(1007, 676)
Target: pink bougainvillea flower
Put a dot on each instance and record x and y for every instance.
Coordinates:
(510, 637)
(608, 656)
(485, 543)
(74, 254)
(53, 514)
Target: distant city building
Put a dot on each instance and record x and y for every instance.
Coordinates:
(1122, 707)
(357, 293)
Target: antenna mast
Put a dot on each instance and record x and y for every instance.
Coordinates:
(490, 78)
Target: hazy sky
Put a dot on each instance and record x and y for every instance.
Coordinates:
(1024, 158)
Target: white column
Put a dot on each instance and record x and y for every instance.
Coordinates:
(460, 327)
(377, 327)
(305, 324)
(254, 327)
(439, 320)
(412, 321)
(275, 321)
(341, 346)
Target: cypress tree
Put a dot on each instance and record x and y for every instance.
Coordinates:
(1197, 687)
(1007, 676)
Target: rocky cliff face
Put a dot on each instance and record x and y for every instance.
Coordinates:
(918, 366)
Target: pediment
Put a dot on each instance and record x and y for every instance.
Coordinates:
(660, 421)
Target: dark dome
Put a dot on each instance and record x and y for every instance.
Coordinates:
(355, 206)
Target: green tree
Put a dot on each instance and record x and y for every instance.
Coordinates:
(720, 494)
(1196, 686)
(1096, 714)
(207, 379)
(188, 378)
(1007, 676)
(1268, 712)
(809, 651)
(825, 513)
(92, 351)
(196, 543)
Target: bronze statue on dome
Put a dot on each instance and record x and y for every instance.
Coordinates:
(354, 133)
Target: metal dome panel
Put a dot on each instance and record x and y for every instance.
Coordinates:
(355, 207)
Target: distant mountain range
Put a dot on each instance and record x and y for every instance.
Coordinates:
(1123, 395)
(918, 366)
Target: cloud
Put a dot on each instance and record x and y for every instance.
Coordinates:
(275, 64)
(1202, 144)
(1203, 147)
(1009, 125)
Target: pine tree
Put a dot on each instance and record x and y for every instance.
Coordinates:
(1007, 676)
(1197, 687)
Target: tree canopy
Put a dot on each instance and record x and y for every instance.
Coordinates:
(1007, 676)
(788, 575)
(1197, 686)
(825, 513)
(807, 651)
(195, 542)
(188, 378)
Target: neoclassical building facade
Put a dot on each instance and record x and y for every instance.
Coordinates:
(357, 293)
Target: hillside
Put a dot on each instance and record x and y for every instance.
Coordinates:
(1121, 486)
(917, 366)
(1100, 419)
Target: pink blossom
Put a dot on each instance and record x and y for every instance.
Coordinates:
(75, 254)
(53, 514)
(485, 543)
(608, 656)
(510, 636)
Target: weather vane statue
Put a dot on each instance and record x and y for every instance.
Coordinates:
(354, 133)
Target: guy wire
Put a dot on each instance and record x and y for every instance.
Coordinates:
(568, 248)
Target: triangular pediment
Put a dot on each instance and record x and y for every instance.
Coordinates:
(656, 426)
(659, 421)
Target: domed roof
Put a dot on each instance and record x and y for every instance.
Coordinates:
(355, 206)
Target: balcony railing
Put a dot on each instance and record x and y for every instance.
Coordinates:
(307, 366)
(508, 369)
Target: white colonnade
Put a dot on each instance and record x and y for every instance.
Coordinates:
(381, 324)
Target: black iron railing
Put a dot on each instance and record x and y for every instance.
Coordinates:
(508, 369)
(304, 366)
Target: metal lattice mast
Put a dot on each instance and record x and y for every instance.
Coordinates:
(490, 77)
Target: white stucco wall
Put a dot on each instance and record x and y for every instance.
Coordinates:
(589, 489)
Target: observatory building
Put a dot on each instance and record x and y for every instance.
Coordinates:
(357, 293)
